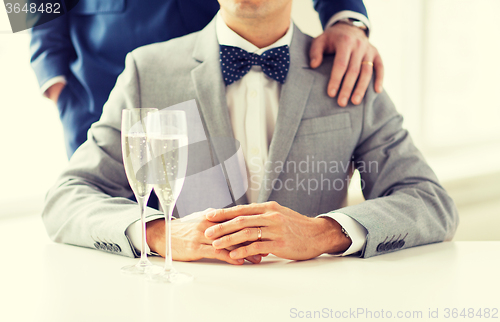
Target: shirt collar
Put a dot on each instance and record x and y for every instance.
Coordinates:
(226, 36)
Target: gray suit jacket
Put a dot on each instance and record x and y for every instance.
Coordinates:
(313, 143)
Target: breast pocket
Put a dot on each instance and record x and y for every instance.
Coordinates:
(92, 7)
(328, 123)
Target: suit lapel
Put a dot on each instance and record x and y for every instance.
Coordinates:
(211, 92)
(293, 100)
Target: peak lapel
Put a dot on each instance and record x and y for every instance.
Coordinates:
(211, 92)
(209, 86)
(293, 100)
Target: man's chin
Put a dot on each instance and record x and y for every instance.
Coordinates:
(248, 9)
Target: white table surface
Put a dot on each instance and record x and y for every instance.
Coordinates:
(44, 281)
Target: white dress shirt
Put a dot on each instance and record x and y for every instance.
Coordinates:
(253, 103)
(253, 106)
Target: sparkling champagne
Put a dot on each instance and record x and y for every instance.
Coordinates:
(135, 159)
(168, 166)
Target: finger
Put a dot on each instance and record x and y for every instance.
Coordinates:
(378, 65)
(252, 249)
(236, 246)
(316, 51)
(340, 64)
(226, 214)
(234, 225)
(255, 259)
(350, 78)
(363, 81)
(239, 237)
(252, 259)
(221, 254)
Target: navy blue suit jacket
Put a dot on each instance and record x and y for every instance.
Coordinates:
(89, 44)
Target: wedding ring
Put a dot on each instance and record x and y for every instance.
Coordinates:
(367, 63)
(259, 234)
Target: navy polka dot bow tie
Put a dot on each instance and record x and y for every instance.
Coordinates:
(236, 62)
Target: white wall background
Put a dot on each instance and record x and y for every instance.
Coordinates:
(441, 67)
(32, 147)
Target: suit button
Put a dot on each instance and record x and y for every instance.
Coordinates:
(401, 243)
(381, 247)
(115, 248)
(97, 245)
(394, 245)
(118, 249)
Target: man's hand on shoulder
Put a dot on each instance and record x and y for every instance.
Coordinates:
(282, 231)
(354, 63)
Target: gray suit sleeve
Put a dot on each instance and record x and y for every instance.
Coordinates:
(406, 206)
(89, 206)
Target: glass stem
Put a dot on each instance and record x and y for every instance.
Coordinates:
(142, 204)
(168, 238)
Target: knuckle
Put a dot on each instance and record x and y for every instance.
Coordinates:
(220, 228)
(247, 232)
(360, 43)
(342, 64)
(354, 69)
(227, 239)
(278, 217)
(240, 220)
(273, 205)
(347, 39)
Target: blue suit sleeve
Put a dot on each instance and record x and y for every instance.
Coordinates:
(327, 8)
(51, 49)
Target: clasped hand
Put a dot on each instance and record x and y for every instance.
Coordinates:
(232, 235)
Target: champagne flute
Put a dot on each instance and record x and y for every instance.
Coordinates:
(167, 135)
(136, 157)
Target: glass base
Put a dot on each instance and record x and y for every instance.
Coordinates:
(173, 277)
(142, 267)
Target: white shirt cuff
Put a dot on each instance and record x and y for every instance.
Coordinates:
(134, 233)
(349, 14)
(356, 232)
(52, 81)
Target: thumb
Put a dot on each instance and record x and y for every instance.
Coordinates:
(316, 51)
